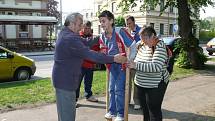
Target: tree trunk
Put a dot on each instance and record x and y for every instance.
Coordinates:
(189, 42)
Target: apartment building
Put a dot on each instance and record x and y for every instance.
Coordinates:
(24, 19)
(165, 25)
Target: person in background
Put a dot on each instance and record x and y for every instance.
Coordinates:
(152, 77)
(87, 66)
(111, 43)
(69, 54)
(134, 31)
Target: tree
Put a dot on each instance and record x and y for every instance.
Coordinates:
(189, 43)
(120, 21)
(205, 25)
(52, 6)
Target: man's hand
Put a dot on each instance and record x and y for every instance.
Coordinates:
(131, 64)
(119, 58)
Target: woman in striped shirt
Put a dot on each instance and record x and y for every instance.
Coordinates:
(151, 78)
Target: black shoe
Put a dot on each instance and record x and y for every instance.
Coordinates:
(77, 105)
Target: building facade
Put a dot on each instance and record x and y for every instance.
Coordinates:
(165, 24)
(24, 19)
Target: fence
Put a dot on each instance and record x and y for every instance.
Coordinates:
(28, 44)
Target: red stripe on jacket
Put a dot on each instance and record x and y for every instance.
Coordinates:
(88, 63)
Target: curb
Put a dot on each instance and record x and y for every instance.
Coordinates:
(37, 53)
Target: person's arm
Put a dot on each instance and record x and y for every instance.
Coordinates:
(92, 41)
(129, 42)
(78, 49)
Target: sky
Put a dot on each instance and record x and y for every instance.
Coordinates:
(78, 5)
(75, 5)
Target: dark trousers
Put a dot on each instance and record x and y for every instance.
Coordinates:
(87, 75)
(151, 100)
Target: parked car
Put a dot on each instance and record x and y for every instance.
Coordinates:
(211, 46)
(170, 40)
(173, 41)
(15, 66)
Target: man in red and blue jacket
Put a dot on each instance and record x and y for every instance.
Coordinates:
(87, 66)
(114, 41)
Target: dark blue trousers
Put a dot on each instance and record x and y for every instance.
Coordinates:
(87, 75)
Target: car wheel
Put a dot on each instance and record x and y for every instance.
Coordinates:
(22, 74)
(210, 53)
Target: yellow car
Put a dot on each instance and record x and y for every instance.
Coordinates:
(15, 66)
(211, 46)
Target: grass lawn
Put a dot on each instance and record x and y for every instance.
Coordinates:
(22, 94)
(212, 59)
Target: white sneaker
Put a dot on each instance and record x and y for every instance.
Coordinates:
(92, 99)
(109, 115)
(118, 118)
(137, 107)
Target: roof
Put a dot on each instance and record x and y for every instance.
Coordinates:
(31, 20)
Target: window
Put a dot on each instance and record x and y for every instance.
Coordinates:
(1, 35)
(3, 54)
(9, 13)
(161, 29)
(86, 15)
(114, 7)
(161, 5)
(171, 9)
(170, 29)
(2, 13)
(23, 31)
(23, 28)
(152, 25)
(99, 7)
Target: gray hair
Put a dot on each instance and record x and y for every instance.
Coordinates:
(71, 18)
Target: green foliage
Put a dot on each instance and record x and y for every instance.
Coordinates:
(120, 21)
(182, 60)
(202, 57)
(206, 35)
(205, 24)
(52, 6)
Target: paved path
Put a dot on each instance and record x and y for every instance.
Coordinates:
(183, 100)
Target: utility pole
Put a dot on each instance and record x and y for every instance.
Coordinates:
(175, 25)
(61, 15)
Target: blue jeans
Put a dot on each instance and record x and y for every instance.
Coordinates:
(66, 103)
(87, 75)
(117, 90)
